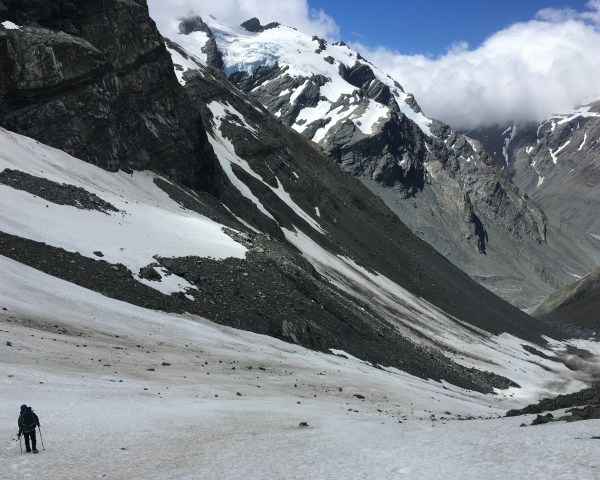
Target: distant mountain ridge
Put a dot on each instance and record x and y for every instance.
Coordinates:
(445, 186)
(556, 162)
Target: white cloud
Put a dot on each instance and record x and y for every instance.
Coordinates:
(525, 72)
(294, 13)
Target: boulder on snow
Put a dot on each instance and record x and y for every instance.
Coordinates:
(149, 273)
(541, 419)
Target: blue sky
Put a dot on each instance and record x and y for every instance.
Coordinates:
(430, 27)
(469, 63)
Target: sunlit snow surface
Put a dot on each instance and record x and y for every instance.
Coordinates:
(10, 25)
(246, 51)
(148, 222)
(225, 152)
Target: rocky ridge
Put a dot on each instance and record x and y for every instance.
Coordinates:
(575, 303)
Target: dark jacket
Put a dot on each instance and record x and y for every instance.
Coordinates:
(28, 421)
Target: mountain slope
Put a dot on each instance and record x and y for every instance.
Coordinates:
(136, 381)
(576, 303)
(444, 186)
(556, 162)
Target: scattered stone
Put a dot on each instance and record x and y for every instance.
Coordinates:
(303, 424)
(150, 369)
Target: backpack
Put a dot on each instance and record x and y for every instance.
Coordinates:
(28, 419)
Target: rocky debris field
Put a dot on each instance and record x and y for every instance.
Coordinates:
(270, 292)
(589, 397)
(58, 193)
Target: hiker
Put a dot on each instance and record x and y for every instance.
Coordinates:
(27, 423)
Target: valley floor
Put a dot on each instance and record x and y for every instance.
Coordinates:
(124, 392)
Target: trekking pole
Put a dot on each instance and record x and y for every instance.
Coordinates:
(20, 444)
(40, 429)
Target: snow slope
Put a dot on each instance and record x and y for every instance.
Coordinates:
(148, 222)
(104, 414)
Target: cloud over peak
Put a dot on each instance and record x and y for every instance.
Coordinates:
(526, 72)
(294, 13)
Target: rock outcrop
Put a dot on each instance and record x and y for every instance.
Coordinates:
(70, 55)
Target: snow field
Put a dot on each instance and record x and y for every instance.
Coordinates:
(105, 415)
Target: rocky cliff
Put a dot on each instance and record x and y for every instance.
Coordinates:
(556, 162)
(95, 79)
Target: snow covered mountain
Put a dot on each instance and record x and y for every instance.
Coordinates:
(141, 220)
(443, 185)
(557, 162)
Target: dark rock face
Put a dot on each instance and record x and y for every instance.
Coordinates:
(70, 56)
(253, 25)
(196, 24)
(322, 44)
(358, 75)
(554, 162)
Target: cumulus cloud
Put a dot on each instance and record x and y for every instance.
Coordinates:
(525, 72)
(294, 13)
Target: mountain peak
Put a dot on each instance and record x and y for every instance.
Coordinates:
(193, 24)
